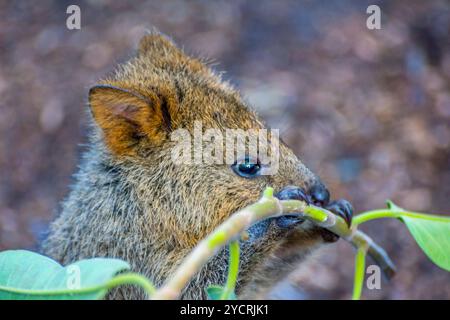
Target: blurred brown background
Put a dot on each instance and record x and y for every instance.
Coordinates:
(369, 110)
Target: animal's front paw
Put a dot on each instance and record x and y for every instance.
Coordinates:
(291, 193)
(342, 208)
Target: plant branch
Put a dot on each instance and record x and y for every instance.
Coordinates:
(268, 206)
(360, 267)
(394, 213)
(233, 270)
(121, 279)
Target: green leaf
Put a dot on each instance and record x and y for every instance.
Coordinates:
(31, 276)
(432, 233)
(215, 293)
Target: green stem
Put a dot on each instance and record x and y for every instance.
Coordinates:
(233, 270)
(374, 214)
(360, 266)
(267, 207)
(133, 279)
(122, 279)
(315, 213)
(389, 213)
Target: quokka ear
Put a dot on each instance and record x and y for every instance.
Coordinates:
(127, 117)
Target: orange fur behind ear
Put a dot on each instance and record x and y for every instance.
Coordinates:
(128, 118)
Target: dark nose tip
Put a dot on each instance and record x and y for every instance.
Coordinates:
(319, 194)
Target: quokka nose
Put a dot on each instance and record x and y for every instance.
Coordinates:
(319, 194)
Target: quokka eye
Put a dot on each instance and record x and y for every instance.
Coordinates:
(247, 168)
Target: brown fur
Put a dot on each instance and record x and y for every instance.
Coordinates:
(132, 202)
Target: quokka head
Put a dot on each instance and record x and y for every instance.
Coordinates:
(162, 93)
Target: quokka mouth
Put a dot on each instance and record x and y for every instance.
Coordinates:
(289, 221)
